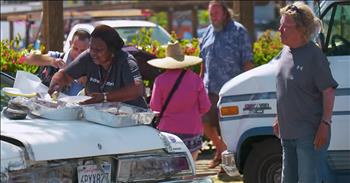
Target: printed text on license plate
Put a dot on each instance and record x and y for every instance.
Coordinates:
(94, 173)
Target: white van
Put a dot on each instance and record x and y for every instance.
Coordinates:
(248, 133)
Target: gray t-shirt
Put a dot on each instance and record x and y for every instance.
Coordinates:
(123, 71)
(303, 74)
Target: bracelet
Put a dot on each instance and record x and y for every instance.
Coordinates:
(104, 97)
(326, 122)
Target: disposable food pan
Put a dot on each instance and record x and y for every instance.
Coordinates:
(59, 112)
(117, 114)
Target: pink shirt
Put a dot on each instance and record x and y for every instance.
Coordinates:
(187, 105)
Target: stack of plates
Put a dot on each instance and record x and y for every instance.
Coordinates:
(15, 92)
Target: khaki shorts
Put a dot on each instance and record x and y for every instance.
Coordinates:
(212, 116)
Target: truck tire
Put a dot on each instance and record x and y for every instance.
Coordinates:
(264, 163)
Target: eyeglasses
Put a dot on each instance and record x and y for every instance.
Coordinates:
(300, 14)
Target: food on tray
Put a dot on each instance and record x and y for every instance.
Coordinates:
(49, 103)
(115, 111)
(54, 96)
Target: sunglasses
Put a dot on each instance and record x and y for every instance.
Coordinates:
(300, 14)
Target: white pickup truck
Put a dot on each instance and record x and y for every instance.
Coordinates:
(67, 151)
(251, 98)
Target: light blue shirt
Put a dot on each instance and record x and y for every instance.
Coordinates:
(224, 54)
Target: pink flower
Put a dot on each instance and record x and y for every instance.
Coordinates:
(22, 59)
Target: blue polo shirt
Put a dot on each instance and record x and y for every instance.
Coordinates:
(224, 54)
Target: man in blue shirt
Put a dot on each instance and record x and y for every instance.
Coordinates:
(226, 52)
(55, 60)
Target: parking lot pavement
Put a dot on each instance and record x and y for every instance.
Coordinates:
(202, 170)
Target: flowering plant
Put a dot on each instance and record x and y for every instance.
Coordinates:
(266, 47)
(12, 57)
(143, 41)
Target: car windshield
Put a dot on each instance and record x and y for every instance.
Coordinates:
(128, 33)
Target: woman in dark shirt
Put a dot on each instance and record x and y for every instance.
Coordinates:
(112, 74)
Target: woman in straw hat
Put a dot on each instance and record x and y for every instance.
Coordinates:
(189, 101)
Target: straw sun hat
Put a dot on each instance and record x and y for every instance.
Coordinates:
(175, 58)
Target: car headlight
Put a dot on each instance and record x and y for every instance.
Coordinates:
(152, 167)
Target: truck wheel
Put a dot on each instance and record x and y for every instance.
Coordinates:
(264, 163)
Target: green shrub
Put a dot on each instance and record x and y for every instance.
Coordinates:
(266, 47)
(11, 56)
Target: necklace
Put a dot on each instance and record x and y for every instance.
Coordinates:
(104, 77)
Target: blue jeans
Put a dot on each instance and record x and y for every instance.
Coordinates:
(302, 163)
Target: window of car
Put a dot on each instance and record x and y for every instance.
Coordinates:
(128, 33)
(336, 24)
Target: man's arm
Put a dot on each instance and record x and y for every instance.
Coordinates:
(276, 127)
(44, 60)
(328, 102)
(201, 73)
(322, 134)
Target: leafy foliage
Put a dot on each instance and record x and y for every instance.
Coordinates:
(203, 17)
(12, 56)
(160, 18)
(144, 42)
(266, 47)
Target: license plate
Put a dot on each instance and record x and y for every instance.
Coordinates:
(94, 173)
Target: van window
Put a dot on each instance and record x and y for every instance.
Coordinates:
(337, 30)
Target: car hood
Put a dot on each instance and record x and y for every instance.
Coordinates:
(51, 140)
(252, 81)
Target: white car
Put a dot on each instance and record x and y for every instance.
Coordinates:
(40, 150)
(127, 29)
(249, 100)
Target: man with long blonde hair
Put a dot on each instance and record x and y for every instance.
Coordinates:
(305, 98)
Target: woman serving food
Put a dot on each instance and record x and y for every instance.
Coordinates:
(112, 74)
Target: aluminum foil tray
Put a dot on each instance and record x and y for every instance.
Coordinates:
(65, 113)
(55, 111)
(117, 114)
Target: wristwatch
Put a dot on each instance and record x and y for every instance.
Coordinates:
(327, 122)
(104, 97)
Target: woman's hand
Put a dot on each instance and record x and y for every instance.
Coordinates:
(58, 81)
(95, 98)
